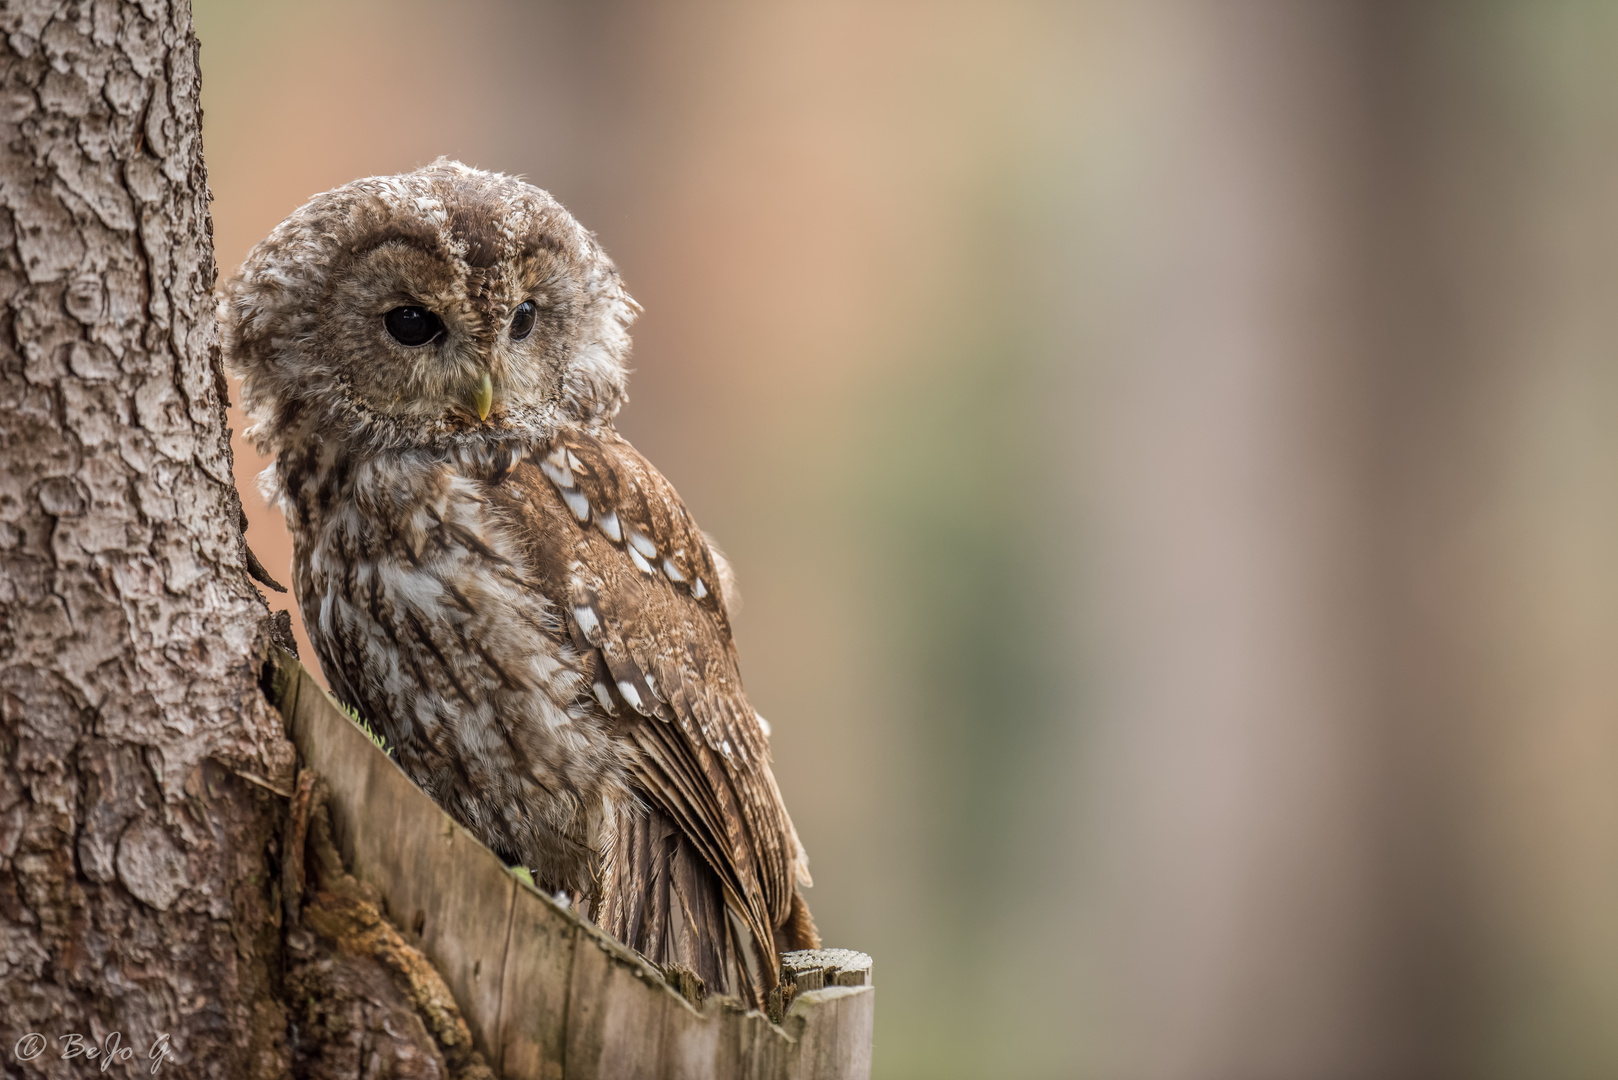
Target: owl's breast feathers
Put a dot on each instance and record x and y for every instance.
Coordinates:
(424, 621)
(604, 534)
(542, 633)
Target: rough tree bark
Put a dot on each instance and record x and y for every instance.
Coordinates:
(148, 806)
(137, 809)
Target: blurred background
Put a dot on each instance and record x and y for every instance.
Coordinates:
(1169, 453)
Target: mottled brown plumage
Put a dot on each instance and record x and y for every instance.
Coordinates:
(495, 577)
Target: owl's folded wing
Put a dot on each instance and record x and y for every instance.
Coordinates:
(615, 547)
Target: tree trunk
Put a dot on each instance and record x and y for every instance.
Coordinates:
(138, 807)
(149, 808)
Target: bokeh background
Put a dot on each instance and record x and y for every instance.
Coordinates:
(1170, 453)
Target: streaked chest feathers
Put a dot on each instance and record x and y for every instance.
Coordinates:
(429, 621)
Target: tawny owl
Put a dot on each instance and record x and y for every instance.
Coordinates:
(492, 575)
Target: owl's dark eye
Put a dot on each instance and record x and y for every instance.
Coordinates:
(413, 325)
(522, 320)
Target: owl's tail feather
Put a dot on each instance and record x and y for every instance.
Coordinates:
(799, 930)
(660, 897)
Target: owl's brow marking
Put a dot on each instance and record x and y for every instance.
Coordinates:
(418, 243)
(482, 248)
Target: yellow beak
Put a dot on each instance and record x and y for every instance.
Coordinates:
(483, 397)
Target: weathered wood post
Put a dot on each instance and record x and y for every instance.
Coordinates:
(544, 993)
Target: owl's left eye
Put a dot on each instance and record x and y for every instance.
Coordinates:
(522, 320)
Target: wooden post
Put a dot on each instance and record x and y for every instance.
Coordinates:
(544, 993)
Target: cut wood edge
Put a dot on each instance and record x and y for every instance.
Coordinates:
(511, 954)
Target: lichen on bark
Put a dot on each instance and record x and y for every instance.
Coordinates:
(363, 1001)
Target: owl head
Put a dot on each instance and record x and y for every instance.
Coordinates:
(443, 305)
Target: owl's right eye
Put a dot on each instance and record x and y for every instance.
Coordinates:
(413, 325)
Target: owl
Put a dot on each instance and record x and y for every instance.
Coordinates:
(495, 578)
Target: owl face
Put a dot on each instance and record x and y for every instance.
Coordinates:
(441, 305)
